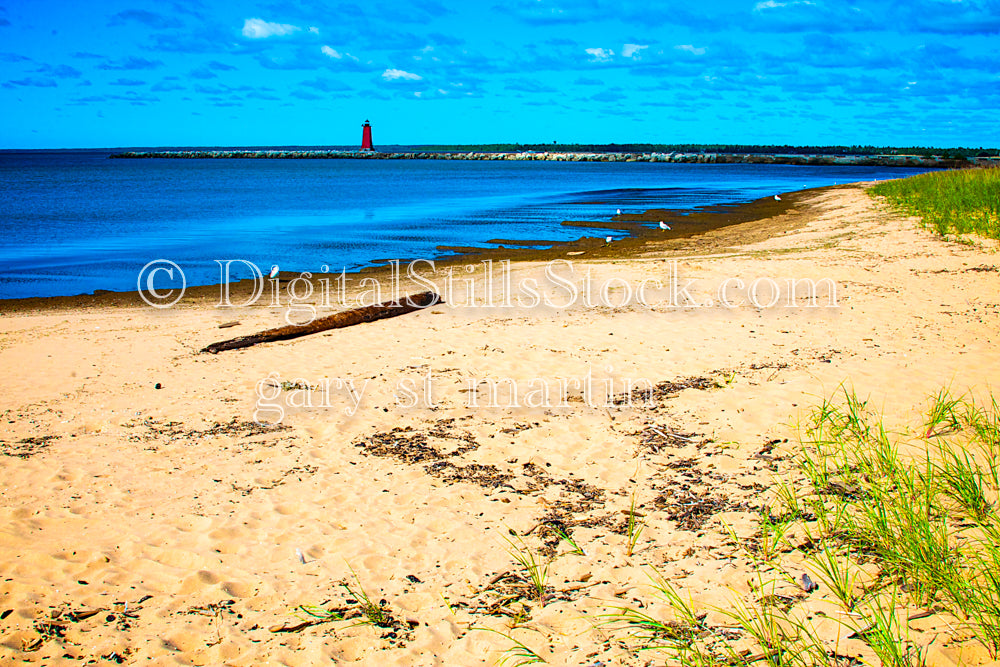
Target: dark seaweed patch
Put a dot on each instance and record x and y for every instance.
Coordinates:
(663, 391)
(27, 447)
(411, 446)
(171, 431)
(486, 476)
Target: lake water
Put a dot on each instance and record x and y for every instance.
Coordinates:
(75, 221)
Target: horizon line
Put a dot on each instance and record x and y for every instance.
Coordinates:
(497, 146)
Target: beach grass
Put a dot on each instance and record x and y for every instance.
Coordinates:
(922, 504)
(565, 536)
(918, 506)
(372, 613)
(950, 202)
(633, 527)
(518, 653)
(535, 566)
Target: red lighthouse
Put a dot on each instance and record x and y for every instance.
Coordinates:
(366, 137)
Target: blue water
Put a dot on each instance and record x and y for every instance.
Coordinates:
(73, 222)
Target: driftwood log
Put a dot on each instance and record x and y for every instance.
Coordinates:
(347, 318)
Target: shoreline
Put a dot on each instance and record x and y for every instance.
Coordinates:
(685, 224)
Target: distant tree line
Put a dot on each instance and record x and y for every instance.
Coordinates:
(923, 151)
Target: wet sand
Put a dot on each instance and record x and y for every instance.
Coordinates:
(684, 225)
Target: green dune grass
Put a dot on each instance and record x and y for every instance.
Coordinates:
(951, 202)
(919, 508)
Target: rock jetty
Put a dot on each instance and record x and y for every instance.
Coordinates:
(706, 158)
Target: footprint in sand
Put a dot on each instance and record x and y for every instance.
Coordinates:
(238, 589)
(197, 581)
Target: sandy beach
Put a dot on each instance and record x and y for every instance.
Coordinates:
(162, 506)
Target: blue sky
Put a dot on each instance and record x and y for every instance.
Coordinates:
(291, 72)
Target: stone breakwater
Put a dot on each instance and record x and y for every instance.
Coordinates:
(706, 158)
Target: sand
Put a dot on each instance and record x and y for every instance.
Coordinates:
(195, 533)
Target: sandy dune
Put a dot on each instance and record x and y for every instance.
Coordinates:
(195, 533)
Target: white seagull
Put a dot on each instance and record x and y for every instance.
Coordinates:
(607, 239)
(619, 211)
(274, 271)
(777, 198)
(664, 225)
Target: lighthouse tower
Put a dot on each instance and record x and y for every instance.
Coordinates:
(366, 137)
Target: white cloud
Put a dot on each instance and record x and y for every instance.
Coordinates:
(601, 54)
(259, 29)
(632, 50)
(334, 53)
(314, 30)
(696, 50)
(396, 74)
(772, 4)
